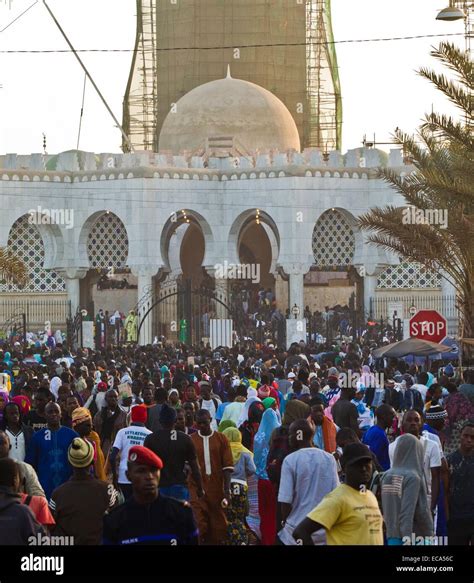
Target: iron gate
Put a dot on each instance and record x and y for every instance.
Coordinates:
(183, 312)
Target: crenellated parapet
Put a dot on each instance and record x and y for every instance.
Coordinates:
(77, 166)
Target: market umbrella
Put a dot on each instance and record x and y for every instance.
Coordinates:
(410, 346)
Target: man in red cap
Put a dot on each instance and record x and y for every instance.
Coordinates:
(149, 518)
(124, 440)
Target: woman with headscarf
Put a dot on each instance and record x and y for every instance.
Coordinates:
(406, 510)
(173, 399)
(280, 443)
(82, 424)
(249, 428)
(7, 359)
(54, 385)
(243, 468)
(223, 425)
(267, 493)
(367, 377)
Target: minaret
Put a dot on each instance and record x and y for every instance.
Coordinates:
(285, 48)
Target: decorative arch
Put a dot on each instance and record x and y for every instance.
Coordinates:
(242, 222)
(104, 242)
(334, 239)
(176, 220)
(38, 246)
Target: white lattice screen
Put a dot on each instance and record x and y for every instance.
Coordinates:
(408, 275)
(333, 240)
(107, 245)
(25, 240)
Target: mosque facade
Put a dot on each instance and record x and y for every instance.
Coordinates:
(230, 187)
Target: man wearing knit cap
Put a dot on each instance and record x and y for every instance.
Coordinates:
(79, 505)
(435, 418)
(149, 518)
(125, 439)
(175, 449)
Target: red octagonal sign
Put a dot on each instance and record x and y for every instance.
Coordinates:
(428, 325)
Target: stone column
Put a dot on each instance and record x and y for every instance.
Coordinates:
(72, 278)
(370, 273)
(281, 293)
(296, 327)
(145, 301)
(222, 291)
(296, 273)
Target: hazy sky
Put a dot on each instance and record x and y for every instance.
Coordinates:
(43, 92)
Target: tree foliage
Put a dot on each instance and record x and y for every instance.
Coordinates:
(442, 153)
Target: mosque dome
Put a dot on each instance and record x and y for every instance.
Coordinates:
(237, 110)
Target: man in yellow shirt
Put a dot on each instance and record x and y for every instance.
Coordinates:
(350, 513)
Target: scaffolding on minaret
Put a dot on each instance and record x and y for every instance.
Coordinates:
(288, 50)
(141, 99)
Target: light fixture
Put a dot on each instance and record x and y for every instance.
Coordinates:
(451, 13)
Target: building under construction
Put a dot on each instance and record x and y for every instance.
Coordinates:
(285, 46)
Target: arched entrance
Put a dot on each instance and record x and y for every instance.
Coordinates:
(187, 298)
(109, 289)
(252, 288)
(333, 298)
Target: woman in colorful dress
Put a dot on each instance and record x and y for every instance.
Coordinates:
(238, 508)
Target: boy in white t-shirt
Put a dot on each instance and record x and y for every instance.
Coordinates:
(124, 440)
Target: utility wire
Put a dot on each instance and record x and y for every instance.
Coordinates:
(82, 112)
(19, 16)
(335, 42)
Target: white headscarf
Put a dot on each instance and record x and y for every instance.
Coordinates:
(244, 415)
(54, 385)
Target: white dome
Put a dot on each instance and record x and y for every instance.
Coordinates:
(232, 108)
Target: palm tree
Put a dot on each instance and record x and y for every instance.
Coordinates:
(442, 153)
(12, 268)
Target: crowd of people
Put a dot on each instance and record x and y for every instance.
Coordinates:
(252, 445)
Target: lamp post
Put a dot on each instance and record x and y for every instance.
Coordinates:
(460, 10)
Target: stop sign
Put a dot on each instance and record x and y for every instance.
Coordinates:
(428, 325)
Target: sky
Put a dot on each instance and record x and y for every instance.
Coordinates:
(43, 92)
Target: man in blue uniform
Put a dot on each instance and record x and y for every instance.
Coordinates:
(149, 518)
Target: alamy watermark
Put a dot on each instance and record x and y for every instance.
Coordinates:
(354, 380)
(414, 540)
(42, 216)
(415, 216)
(228, 270)
(43, 540)
(32, 563)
